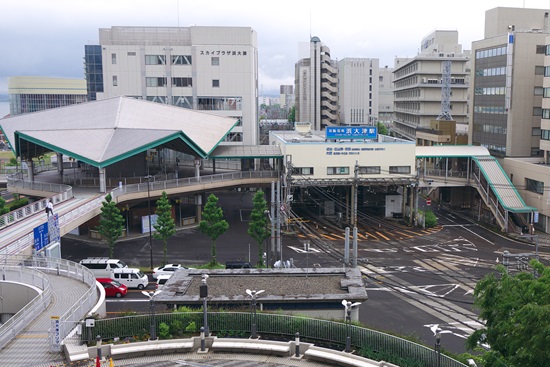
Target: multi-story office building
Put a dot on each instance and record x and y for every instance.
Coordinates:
(286, 98)
(507, 83)
(510, 99)
(358, 91)
(316, 87)
(418, 84)
(212, 69)
(31, 94)
(385, 95)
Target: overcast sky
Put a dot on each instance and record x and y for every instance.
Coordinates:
(47, 37)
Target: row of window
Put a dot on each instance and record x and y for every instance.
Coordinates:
(174, 59)
(364, 170)
(490, 91)
(497, 51)
(203, 103)
(498, 110)
(491, 72)
(162, 82)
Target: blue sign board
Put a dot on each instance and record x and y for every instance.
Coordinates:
(347, 132)
(41, 237)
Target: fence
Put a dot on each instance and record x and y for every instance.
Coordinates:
(21, 319)
(328, 333)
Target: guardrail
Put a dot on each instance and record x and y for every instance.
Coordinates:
(23, 317)
(238, 324)
(71, 317)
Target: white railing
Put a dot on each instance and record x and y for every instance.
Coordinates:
(27, 314)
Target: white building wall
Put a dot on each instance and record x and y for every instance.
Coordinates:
(358, 90)
(227, 55)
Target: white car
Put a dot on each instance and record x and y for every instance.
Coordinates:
(168, 269)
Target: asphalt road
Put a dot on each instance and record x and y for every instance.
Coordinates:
(417, 283)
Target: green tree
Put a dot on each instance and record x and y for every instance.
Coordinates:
(3, 208)
(165, 226)
(111, 223)
(430, 219)
(292, 114)
(257, 227)
(516, 310)
(213, 225)
(382, 129)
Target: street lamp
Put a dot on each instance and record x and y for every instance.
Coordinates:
(253, 295)
(152, 320)
(266, 212)
(149, 213)
(437, 349)
(98, 345)
(348, 307)
(203, 292)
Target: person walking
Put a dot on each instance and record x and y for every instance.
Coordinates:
(49, 208)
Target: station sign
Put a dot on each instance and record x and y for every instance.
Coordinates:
(347, 132)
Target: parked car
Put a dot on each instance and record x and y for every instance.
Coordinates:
(112, 287)
(102, 266)
(131, 277)
(162, 279)
(167, 269)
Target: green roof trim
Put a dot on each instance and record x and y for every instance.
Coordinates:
(228, 131)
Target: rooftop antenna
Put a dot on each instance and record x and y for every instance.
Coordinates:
(178, 2)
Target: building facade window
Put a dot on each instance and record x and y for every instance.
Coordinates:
(304, 171)
(215, 61)
(534, 186)
(113, 59)
(155, 82)
(155, 60)
(545, 134)
(537, 111)
(183, 101)
(491, 52)
(115, 81)
(337, 171)
(220, 103)
(182, 82)
(538, 91)
(181, 59)
(215, 83)
(369, 170)
(400, 170)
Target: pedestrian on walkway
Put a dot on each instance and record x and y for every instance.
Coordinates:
(49, 208)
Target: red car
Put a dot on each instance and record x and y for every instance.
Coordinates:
(112, 287)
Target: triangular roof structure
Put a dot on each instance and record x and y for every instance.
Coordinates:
(104, 132)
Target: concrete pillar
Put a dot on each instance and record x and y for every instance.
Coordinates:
(30, 169)
(411, 206)
(59, 163)
(102, 180)
(197, 168)
(198, 204)
(404, 201)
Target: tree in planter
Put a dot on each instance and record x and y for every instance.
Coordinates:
(213, 225)
(3, 208)
(516, 310)
(257, 227)
(111, 223)
(165, 226)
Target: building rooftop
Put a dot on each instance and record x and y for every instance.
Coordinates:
(294, 285)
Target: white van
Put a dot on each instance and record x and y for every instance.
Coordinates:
(102, 267)
(131, 277)
(162, 279)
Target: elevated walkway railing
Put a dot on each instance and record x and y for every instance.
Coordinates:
(71, 317)
(19, 321)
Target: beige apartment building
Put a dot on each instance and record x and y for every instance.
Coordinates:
(418, 85)
(316, 87)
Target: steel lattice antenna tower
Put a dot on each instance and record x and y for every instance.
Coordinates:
(445, 113)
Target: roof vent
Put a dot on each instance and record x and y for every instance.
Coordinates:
(303, 127)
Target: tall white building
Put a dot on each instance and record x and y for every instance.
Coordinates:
(385, 95)
(358, 91)
(316, 87)
(418, 84)
(212, 69)
(286, 96)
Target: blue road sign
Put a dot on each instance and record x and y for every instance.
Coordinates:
(357, 132)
